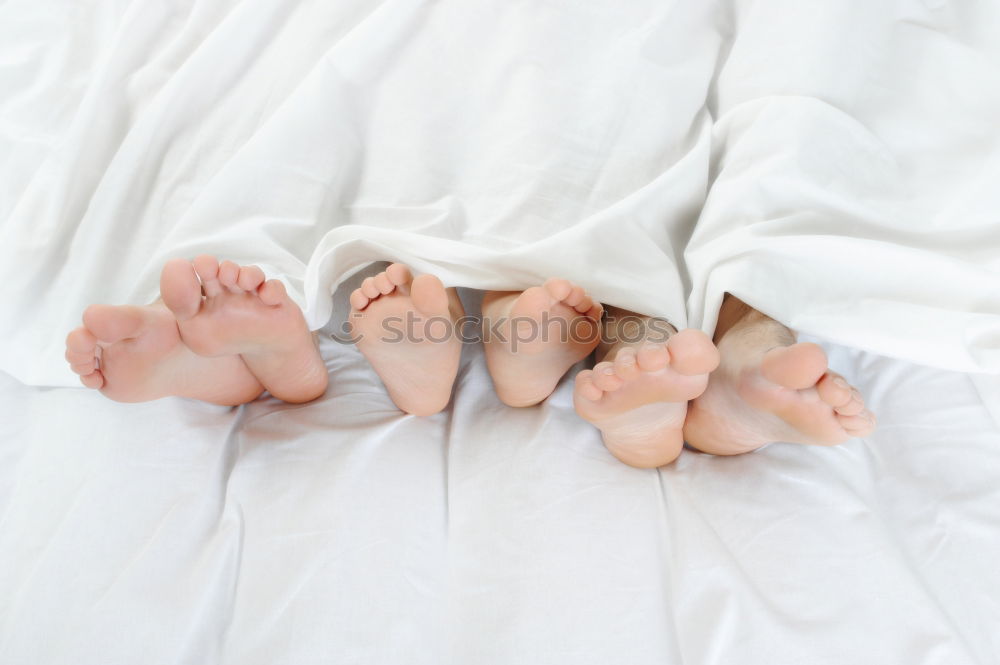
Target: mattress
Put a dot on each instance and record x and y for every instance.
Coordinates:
(343, 531)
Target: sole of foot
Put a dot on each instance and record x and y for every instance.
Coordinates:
(226, 309)
(135, 354)
(639, 399)
(786, 394)
(544, 331)
(405, 327)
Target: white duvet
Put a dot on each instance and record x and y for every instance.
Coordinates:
(833, 163)
(841, 159)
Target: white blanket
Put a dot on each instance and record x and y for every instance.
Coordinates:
(854, 182)
(847, 152)
(840, 161)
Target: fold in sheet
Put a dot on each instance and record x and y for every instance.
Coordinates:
(341, 530)
(856, 151)
(837, 161)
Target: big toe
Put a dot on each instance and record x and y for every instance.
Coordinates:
(180, 288)
(838, 393)
(428, 295)
(532, 302)
(798, 366)
(273, 293)
(692, 352)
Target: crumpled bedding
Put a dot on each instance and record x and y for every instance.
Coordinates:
(343, 531)
(839, 160)
(834, 165)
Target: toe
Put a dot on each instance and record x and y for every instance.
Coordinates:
(626, 364)
(180, 288)
(81, 348)
(369, 289)
(531, 303)
(605, 377)
(229, 272)
(853, 407)
(272, 292)
(560, 289)
(384, 284)
(398, 274)
(84, 368)
(429, 296)
(692, 352)
(93, 380)
(576, 297)
(251, 277)
(81, 340)
(207, 268)
(834, 390)
(359, 300)
(862, 424)
(77, 357)
(584, 305)
(653, 357)
(798, 366)
(585, 387)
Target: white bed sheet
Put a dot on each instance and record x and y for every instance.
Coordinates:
(342, 531)
(317, 137)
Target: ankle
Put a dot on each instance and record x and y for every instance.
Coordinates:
(732, 312)
(735, 316)
(623, 329)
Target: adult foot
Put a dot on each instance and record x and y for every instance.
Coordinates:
(543, 331)
(405, 327)
(135, 354)
(224, 310)
(638, 398)
(769, 388)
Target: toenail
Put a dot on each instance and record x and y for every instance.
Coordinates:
(608, 370)
(841, 383)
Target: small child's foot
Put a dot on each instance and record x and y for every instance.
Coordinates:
(545, 330)
(135, 354)
(639, 400)
(769, 389)
(228, 309)
(405, 327)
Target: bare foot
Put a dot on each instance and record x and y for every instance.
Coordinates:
(405, 328)
(545, 330)
(768, 388)
(135, 354)
(639, 400)
(232, 310)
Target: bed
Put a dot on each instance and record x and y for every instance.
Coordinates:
(804, 162)
(342, 531)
